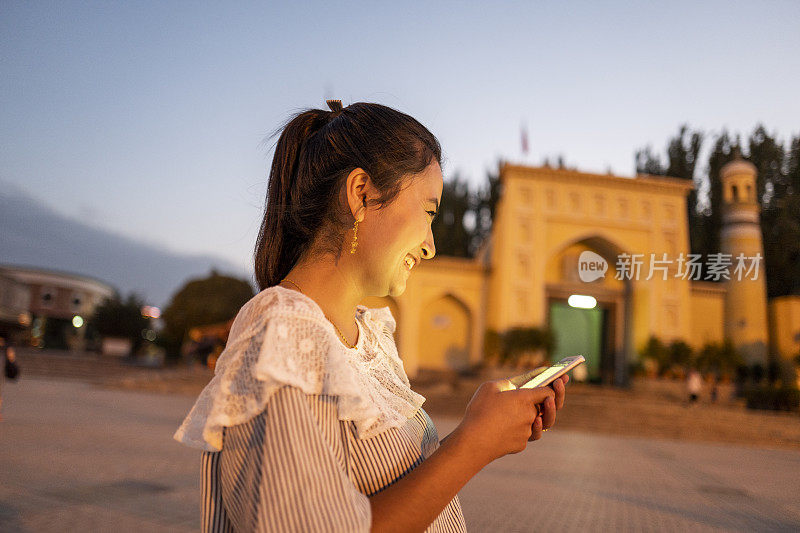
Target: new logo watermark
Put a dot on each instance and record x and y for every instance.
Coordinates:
(591, 266)
(719, 266)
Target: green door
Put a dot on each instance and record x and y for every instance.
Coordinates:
(578, 331)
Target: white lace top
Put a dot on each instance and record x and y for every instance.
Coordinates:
(281, 337)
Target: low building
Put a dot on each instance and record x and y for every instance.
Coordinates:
(57, 303)
(14, 304)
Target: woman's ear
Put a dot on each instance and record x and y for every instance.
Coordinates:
(358, 188)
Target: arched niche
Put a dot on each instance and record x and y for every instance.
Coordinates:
(444, 339)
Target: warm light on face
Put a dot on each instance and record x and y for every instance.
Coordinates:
(582, 302)
(77, 321)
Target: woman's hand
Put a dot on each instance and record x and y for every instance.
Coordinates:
(501, 419)
(548, 418)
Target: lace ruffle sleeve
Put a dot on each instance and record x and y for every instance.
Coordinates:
(277, 340)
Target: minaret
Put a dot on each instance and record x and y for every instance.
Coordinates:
(746, 298)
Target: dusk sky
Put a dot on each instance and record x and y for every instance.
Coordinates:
(148, 118)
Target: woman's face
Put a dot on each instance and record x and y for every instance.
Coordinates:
(401, 229)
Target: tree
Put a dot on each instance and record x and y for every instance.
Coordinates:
(777, 191)
(793, 167)
(451, 236)
(466, 217)
(769, 158)
(484, 206)
(683, 151)
(780, 226)
(648, 163)
(116, 317)
(780, 210)
(200, 302)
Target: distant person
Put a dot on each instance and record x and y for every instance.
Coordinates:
(2, 378)
(694, 384)
(8, 358)
(715, 389)
(310, 423)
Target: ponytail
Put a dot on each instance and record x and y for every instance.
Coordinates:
(315, 153)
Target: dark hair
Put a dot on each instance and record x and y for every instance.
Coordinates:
(315, 153)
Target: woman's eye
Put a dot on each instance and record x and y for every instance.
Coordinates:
(432, 213)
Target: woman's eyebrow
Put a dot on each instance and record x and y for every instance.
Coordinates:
(435, 201)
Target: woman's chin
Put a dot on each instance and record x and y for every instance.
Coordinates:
(398, 287)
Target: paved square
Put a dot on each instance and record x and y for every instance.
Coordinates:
(76, 457)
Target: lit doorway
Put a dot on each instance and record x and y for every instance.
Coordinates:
(578, 331)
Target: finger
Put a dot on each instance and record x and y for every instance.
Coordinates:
(549, 413)
(558, 387)
(536, 394)
(536, 429)
(565, 378)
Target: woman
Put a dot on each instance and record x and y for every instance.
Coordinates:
(8, 360)
(309, 423)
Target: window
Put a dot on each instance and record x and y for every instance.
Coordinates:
(600, 204)
(552, 202)
(76, 301)
(525, 227)
(575, 200)
(623, 207)
(47, 296)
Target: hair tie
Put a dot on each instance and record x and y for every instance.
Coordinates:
(334, 105)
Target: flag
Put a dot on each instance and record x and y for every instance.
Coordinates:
(524, 135)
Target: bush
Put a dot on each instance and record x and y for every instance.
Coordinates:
(517, 342)
(775, 399)
(722, 359)
(655, 350)
(492, 345)
(680, 354)
(637, 368)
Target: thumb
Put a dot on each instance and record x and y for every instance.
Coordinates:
(535, 395)
(503, 385)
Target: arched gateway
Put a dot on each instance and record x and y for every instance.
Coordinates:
(546, 221)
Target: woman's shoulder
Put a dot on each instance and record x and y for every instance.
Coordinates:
(276, 341)
(274, 304)
(277, 300)
(381, 316)
(284, 324)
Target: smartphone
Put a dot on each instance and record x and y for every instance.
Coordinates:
(546, 375)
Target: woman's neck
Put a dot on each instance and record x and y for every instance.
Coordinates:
(332, 292)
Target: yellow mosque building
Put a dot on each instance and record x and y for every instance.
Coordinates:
(604, 262)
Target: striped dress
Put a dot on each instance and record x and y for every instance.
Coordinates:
(296, 467)
(298, 431)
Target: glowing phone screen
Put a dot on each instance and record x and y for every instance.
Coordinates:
(541, 378)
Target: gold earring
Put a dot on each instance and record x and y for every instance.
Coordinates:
(355, 238)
